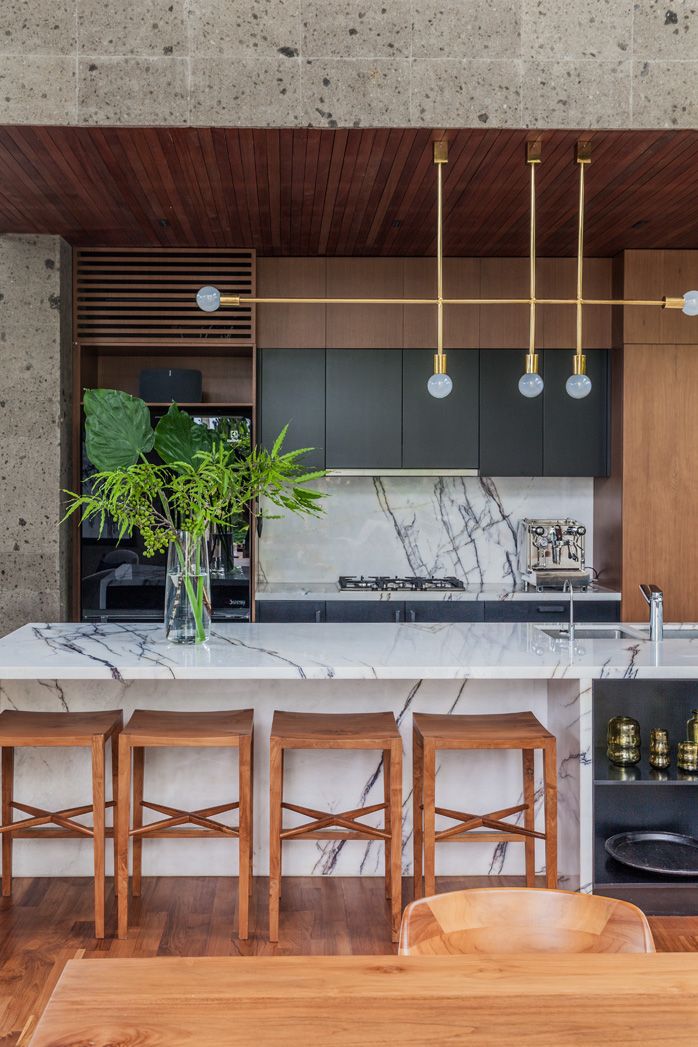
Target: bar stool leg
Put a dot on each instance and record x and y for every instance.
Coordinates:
(115, 811)
(251, 812)
(550, 772)
(417, 800)
(429, 790)
(8, 781)
(137, 846)
(395, 808)
(387, 822)
(245, 788)
(275, 813)
(123, 822)
(529, 798)
(98, 747)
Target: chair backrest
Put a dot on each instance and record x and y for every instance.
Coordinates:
(522, 920)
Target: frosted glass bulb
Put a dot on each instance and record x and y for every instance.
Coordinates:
(690, 303)
(530, 385)
(439, 385)
(208, 298)
(578, 386)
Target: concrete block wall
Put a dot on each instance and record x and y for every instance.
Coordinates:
(34, 444)
(479, 63)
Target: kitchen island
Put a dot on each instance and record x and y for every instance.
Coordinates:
(446, 668)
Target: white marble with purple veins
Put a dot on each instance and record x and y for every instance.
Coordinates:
(448, 668)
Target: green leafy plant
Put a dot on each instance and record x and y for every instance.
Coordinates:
(202, 479)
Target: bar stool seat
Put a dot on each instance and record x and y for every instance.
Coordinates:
(85, 730)
(379, 731)
(150, 728)
(519, 730)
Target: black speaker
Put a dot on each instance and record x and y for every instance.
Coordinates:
(163, 385)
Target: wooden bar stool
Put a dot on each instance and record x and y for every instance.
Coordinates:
(153, 729)
(337, 731)
(22, 730)
(495, 731)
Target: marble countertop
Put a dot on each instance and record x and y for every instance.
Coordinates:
(488, 591)
(70, 651)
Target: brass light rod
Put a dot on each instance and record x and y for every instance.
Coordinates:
(240, 300)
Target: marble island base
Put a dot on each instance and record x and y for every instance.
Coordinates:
(476, 781)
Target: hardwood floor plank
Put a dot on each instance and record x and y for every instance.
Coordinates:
(48, 920)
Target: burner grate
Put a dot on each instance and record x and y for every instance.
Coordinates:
(394, 583)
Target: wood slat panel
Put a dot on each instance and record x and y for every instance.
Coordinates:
(147, 297)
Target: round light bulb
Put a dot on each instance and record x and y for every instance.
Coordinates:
(208, 298)
(578, 386)
(439, 385)
(690, 303)
(530, 385)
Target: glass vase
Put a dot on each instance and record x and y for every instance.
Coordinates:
(187, 590)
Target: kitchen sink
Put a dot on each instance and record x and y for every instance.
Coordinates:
(590, 632)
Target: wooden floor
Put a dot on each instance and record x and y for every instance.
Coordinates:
(48, 920)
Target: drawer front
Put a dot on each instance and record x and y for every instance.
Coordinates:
(290, 610)
(551, 610)
(443, 611)
(365, 611)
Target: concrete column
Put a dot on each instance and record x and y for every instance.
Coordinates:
(34, 437)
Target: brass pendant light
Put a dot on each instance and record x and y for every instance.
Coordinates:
(578, 385)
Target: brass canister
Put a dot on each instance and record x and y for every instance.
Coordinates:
(623, 738)
(692, 726)
(660, 755)
(687, 756)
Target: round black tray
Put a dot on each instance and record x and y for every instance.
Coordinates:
(671, 854)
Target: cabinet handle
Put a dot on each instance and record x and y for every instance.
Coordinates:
(413, 616)
(551, 608)
(318, 615)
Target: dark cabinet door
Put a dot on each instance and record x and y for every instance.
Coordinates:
(443, 611)
(364, 409)
(511, 426)
(364, 611)
(545, 611)
(290, 610)
(293, 392)
(440, 434)
(575, 432)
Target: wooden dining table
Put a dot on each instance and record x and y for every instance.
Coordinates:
(556, 1000)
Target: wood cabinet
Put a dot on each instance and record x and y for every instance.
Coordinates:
(440, 434)
(363, 419)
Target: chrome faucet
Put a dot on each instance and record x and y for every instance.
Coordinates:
(655, 600)
(568, 587)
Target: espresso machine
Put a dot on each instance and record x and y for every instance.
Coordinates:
(551, 553)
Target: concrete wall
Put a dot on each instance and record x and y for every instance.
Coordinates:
(492, 63)
(33, 437)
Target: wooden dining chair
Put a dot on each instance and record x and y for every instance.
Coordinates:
(522, 920)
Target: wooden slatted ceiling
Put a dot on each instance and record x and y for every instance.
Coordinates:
(345, 191)
(147, 297)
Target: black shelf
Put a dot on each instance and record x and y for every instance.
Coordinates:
(605, 773)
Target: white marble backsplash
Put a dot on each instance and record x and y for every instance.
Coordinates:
(419, 525)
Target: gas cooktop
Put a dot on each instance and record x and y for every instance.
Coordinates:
(381, 583)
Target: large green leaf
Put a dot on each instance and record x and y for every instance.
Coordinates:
(117, 429)
(178, 438)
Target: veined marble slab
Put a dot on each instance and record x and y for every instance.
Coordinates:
(489, 591)
(326, 651)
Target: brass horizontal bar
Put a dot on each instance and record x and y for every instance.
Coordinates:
(661, 302)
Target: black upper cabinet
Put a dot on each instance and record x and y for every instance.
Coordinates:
(293, 392)
(511, 426)
(440, 434)
(575, 432)
(364, 409)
